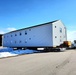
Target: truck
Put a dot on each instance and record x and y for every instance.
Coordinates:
(74, 44)
(51, 35)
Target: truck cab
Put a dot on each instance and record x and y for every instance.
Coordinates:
(74, 45)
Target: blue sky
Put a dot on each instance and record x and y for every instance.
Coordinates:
(17, 14)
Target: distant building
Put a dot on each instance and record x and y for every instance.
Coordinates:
(1, 39)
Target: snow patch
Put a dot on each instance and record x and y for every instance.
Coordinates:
(6, 54)
(5, 49)
(23, 51)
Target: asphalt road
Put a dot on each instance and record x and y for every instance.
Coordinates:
(51, 63)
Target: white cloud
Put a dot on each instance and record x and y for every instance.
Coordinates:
(5, 30)
(71, 35)
(71, 27)
(2, 32)
(11, 29)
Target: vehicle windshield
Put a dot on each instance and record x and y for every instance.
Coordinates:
(74, 41)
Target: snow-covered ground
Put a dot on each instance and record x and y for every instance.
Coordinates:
(6, 52)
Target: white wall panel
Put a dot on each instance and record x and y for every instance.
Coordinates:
(36, 36)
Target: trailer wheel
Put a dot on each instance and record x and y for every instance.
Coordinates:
(62, 49)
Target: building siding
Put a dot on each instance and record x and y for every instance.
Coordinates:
(45, 35)
(59, 33)
(37, 36)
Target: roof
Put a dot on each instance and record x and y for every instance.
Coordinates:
(1, 34)
(33, 26)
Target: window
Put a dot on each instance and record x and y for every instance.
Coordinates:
(55, 26)
(29, 29)
(15, 34)
(75, 41)
(60, 40)
(25, 41)
(65, 32)
(60, 30)
(11, 35)
(29, 38)
(19, 41)
(25, 33)
(20, 34)
(55, 36)
(15, 41)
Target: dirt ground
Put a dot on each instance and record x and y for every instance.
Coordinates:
(50, 63)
